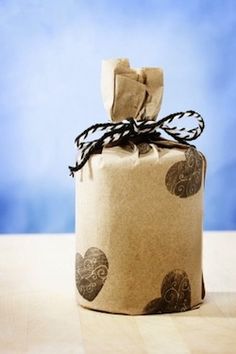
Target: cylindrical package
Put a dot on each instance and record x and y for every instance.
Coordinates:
(139, 210)
(139, 230)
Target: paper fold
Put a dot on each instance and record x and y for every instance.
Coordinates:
(128, 92)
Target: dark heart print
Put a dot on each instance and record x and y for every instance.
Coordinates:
(203, 288)
(91, 272)
(184, 178)
(175, 294)
(143, 148)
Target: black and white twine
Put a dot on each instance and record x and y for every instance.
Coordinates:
(115, 133)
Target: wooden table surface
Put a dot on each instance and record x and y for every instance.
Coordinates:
(39, 315)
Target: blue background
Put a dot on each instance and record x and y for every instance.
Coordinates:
(50, 57)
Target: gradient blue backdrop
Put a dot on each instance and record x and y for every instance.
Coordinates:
(50, 56)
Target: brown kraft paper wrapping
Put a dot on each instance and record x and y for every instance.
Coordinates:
(139, 230)
(139, 210)
(127, 92)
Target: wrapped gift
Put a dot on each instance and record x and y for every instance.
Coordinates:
(139, 201)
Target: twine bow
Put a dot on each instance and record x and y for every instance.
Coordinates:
(115, 133)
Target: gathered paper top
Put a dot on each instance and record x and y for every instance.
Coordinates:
(128, 92)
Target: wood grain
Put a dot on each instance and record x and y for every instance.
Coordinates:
(39, 315)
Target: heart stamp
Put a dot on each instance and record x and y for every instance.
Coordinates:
(91, 272)
(184, 178)
(175, 294)
(143, 148)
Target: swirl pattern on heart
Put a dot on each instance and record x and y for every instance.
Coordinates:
(184, 178)
(175, 294)
(91, 272)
